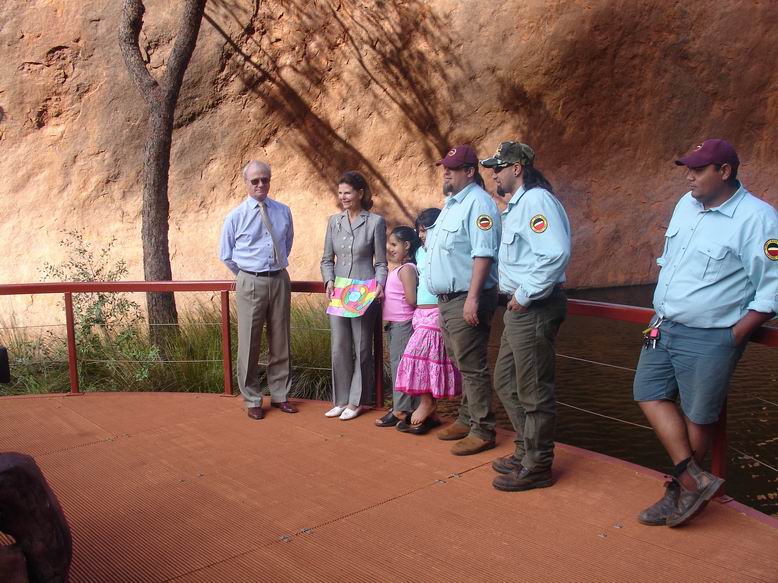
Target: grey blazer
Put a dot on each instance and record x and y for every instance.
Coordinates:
(356, 245)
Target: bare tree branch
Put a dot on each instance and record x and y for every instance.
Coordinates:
(186, 38)
(130, 25)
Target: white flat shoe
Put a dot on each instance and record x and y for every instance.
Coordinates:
(335, 412)
(350, 414)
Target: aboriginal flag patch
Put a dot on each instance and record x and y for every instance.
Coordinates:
(538, 223)
(484, 222)
(771, 249)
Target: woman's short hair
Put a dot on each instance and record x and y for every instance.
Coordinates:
(356, 181)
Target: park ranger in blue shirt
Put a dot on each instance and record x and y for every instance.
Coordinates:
(534, 253)
(718, 283)
(461, 271)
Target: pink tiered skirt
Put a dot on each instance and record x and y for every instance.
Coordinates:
(425, 367)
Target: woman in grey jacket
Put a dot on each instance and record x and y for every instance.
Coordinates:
(354, 247)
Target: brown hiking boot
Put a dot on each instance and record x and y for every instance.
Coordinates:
(471, 445)
(691, 502)
(657, 513)
(454, 431)
(524, 479)
(506, 464)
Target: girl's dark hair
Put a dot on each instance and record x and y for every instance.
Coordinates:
(533, 178)
(427, 218)
(356, 181)
(407, 235)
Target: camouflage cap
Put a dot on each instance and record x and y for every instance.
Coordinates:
(510, 153)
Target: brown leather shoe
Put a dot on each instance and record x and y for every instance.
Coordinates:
(506, 464)
(256, 413)
(286, 407)
(524, 479)
(657, 513)
(454, 431)
(691, 502)
(471, 445)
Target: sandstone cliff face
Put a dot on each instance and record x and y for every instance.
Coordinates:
(608, 92)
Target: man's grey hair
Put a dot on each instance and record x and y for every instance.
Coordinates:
(251, 163)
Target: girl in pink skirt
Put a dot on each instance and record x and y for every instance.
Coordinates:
(425, 369)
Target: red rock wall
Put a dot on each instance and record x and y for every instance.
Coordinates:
(608, 92)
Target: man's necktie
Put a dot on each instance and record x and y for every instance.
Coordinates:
(266, 222)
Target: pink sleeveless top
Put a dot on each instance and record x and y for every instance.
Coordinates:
(396, 309)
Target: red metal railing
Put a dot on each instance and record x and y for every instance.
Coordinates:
(765, 335)
(224, 287)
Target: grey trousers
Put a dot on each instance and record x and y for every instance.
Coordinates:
(353, 377)
(466, 346)
(398, 334)
(524, 377)
(264, 301)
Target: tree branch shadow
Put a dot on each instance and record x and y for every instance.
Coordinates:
(403, 57)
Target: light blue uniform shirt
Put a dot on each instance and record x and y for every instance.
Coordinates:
(468, 227)
(246, 243)
(719, 263)
(423, 295)
(535, 247)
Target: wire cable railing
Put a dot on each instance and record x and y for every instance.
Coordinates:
(766, 335)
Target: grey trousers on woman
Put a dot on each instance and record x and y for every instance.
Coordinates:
(398, 334)
(353, 376)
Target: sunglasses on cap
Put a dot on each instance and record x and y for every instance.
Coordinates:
(261, 180)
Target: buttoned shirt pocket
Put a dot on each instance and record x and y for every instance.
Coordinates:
(455, 238)
(671, 236)
(509, 247)
(711, 258)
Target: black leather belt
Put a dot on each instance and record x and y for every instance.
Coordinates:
(262, 273)
(451, 296)
(503, 298)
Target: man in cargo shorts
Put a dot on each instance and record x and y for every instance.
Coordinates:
(717, 285)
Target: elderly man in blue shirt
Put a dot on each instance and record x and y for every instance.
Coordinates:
(534, 253)
(255, 244)
(718, 283)
(462, 271)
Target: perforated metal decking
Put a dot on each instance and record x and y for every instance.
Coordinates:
(184, 487)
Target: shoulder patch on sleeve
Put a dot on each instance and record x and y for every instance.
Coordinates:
(771, 249)
(538, 224)
(484, 222)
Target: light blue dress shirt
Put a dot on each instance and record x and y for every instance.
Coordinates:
(423, 295)
(247, 245)
(535, 246)
(719, 263)
(468, 227)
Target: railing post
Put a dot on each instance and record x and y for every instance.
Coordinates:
(378, 358)
(719, 453)
(226, 343)
(72, 352)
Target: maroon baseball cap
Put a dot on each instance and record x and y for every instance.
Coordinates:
(458, 156)
(710, 152)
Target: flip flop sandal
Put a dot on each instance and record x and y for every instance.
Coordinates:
(421, 428)
(388, 420)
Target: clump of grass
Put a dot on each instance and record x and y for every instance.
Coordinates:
(122, 358)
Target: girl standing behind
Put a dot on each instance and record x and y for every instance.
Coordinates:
(426, 370)
(399, 305)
